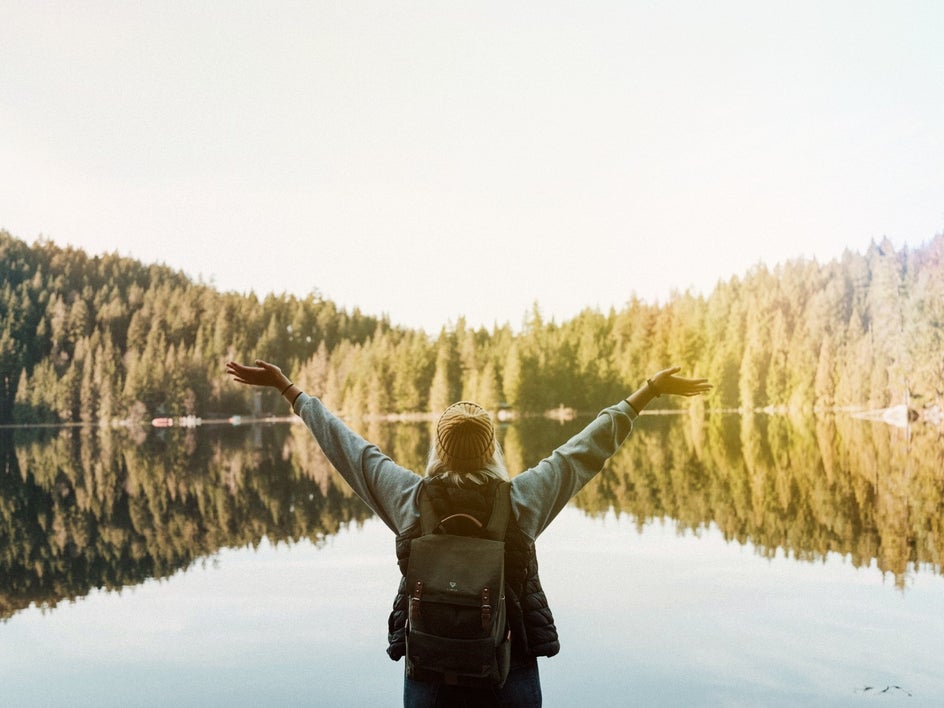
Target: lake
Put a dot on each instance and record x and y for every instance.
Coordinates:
(723, 560)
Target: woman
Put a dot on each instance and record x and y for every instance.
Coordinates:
(463, 475)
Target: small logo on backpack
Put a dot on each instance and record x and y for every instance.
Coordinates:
(452, 585)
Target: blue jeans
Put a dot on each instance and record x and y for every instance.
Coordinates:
(522, 689)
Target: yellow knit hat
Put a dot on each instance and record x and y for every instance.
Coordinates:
(465, 437)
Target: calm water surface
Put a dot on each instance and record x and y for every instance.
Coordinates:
(751, 561)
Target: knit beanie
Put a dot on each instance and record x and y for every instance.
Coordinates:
(465, 438)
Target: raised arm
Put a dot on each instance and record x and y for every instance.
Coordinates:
(382, 484)
(539, 494)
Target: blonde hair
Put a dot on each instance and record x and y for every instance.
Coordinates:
(493, 469)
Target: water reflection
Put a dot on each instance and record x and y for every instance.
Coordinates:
(866, 490)
(84, 509)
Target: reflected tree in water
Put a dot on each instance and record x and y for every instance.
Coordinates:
(81, 510)
(806, 487)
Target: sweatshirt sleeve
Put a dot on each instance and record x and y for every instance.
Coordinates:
(388, 489)
(539, 494)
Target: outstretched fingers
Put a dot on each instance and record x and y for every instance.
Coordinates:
(262, 374)
(695, 387)
(682, 386)
(251, 375)
(237, 372)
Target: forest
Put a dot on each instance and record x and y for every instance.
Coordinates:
(108, 340)
(108, 343)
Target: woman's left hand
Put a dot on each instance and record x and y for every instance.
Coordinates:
(262, 374)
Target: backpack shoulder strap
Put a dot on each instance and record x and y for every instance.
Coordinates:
(428, 518)
(501, 513)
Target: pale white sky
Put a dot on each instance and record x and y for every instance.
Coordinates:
(434, 159)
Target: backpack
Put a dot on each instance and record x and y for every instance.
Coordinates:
(456, 631)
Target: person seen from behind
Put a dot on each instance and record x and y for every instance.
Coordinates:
(466, 476)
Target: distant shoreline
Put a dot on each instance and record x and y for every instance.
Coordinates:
(899, 416)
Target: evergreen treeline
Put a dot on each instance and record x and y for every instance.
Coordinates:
(106, 338)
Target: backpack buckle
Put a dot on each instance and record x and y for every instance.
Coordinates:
(486, 609)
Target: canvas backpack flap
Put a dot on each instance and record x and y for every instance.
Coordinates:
(457, 630)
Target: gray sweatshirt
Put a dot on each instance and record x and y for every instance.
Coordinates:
(537, 495)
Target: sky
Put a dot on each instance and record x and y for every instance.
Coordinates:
(436, 160)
